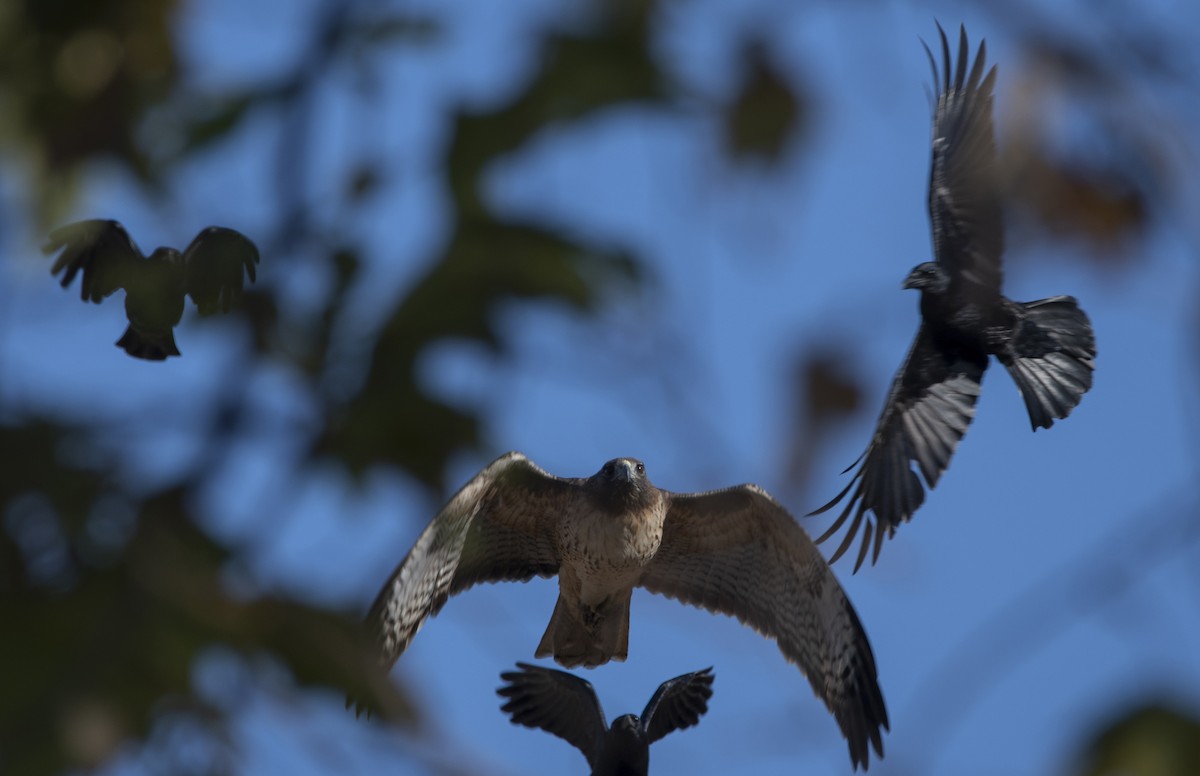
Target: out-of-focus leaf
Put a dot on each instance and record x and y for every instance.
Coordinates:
(1154, 740)
(363, 182)
(580, 73)
(345, 263)
(825, 397)
(403, 426)
(1081, 159)
(766, 114)
(259, 309)
(1129, 49)
(1101, 207)
(830, 395)
(488, 262)
(190, 122)
(219, 122)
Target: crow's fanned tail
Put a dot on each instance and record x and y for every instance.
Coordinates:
(1051, 357)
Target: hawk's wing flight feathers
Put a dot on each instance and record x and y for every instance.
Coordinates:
(499, 526)
(559, 703)
(738, 552)
(677, 704)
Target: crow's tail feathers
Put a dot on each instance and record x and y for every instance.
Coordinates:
(150, 345)
(1051, 357)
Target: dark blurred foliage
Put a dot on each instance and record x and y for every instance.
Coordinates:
(825, 397)
(78, 79)
(1103, 195)
(1154, 740)
(108, 601)
(767, 115)
(1069, 201)
(109, 591)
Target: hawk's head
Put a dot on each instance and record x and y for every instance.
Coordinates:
(622, 485)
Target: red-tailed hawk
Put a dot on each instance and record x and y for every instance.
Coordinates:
(735, 551)
(1047, 346)
(566, 706)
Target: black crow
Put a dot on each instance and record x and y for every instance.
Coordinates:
(566, 706)
(1047, 346)
(735, 551)
(209, 271)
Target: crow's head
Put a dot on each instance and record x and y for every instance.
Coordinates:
(627, 723)
(626, 749)
(928, 276)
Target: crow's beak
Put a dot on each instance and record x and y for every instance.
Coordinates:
(910, 282)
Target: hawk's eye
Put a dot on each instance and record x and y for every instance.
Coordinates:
(641, 468)
(608, 470)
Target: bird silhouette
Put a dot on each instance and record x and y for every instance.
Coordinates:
(566, 706)
(1047, 345)
(209, 271)
(735, 551)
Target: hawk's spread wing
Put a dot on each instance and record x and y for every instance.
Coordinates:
(931, 403)
(101, 249)
(559, 703)
(964, 203)
(499, 526)
(677, 704)
(738, 552)
(214, 264)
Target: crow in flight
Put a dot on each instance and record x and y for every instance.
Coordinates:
(209, 271)
(1047, 345)
(566, 706)
(735, 551)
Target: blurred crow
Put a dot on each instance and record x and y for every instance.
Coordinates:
(1047, 346)
(209, 271)
(567, 706)
(735, 551)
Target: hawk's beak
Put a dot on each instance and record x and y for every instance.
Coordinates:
(625, 471)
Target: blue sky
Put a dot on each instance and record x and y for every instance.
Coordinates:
(752, 269)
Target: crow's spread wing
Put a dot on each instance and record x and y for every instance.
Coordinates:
(964, 203)
(559, 703)
(499, 526)
(677, 704)
(214, 264)
(99, 248)
(738, 552)
(931, 403)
